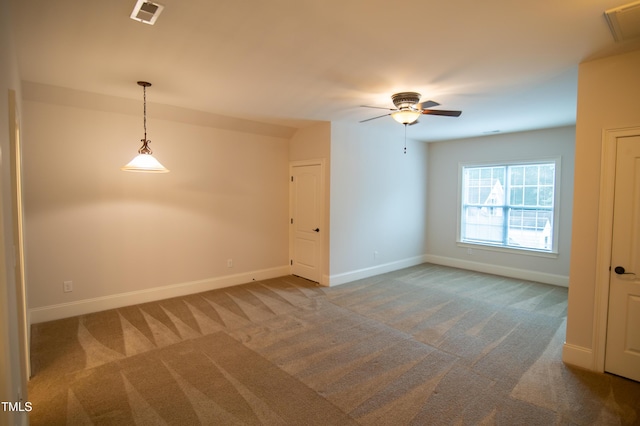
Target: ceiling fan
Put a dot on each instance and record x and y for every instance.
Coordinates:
(409, 108)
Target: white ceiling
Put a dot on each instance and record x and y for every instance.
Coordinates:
(508, 65)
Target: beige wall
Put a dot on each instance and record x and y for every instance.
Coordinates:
(311, 142)
(113, 232)
(608, 98)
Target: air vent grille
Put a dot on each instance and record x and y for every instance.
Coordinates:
(146, 11)
(624, 21)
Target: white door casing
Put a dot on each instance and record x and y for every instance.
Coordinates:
(306, 223)
(18, 234)
(622, 352)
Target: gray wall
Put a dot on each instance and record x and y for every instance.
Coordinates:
(378, 201)
(442, 211)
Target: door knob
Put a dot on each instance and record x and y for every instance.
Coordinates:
(316, 230)
(620, 271)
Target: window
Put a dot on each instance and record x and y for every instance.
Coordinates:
(509, 205)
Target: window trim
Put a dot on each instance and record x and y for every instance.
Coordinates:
(508, 249)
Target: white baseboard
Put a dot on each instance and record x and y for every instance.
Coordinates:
(81, 307)
(359, 274)
(65, 310)
(505, 271)
(578, 356)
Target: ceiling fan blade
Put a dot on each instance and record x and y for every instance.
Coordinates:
(444, 112)
(377, 107)
(426, 104)
(369, 119)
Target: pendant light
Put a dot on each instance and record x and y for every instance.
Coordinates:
(145, 161)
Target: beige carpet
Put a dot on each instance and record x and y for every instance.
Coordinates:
(427, 345)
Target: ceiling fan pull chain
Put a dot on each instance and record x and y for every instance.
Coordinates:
(405, 138)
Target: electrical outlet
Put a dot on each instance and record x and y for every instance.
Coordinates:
(469, 251)
(67, 286)
(229, 263)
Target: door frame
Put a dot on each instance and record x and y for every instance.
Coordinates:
(324, 235)
(605, 235)
(17, 207)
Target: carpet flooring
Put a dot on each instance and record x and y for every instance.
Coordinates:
(426, 345)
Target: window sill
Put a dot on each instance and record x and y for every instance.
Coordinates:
(511, 250)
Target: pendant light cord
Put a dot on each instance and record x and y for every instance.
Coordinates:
(144, 149)
(144, 98)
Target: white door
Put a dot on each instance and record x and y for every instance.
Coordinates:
(622, 356)
(306, 226)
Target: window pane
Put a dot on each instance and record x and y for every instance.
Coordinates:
(530, 196)
(472, 196)
(547, 174)
(484, 194)
(469, 198)
(517, 175)
(546, 196)
(531, 175)
(517, 197)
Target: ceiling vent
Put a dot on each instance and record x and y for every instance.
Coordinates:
(146, 11)
(624, 21)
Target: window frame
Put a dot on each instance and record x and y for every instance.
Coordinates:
(500, 247)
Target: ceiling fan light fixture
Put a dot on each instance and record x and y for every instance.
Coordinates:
(406, 116)
(409, 108)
